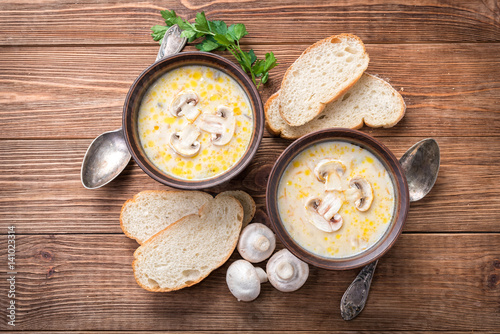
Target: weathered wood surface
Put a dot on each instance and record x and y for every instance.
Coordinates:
(42, 193)
(65, 68)
(54, 22)
(426, 282)
(449, 89)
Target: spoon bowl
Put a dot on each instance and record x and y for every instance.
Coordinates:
(108, 154)
(420, 165)
(106, 157)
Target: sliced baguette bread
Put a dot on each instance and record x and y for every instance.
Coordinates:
(371, 100)
(324, 71)
(187, 251)
(246, 201)
(149, 212)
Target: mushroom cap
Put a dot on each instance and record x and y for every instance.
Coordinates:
(221, 125)
(364, 199)
(286, 272)
(329, 172)
(257, 243)
(243, 280)
(184, 142)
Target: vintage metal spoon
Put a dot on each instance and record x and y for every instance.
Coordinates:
(108, 155)
(421, 166)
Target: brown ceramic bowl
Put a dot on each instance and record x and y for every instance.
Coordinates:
(141, 85)
(389, 161)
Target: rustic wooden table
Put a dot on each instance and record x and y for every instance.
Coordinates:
(65, 68)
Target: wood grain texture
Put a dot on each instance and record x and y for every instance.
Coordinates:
(52, 22)
(426, 282)
(42, 193)
(449, 89)
(268, 331)
(65, 68)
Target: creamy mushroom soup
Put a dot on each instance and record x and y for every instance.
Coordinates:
(336, 199)
(195, 122)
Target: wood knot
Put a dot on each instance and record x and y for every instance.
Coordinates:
(50, 273)
(493, 281)
(256, 180)
(262, 217)
(46, 255)
(496, 264)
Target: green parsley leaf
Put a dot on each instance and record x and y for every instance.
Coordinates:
(201, 23)
(271, 62)
(264, 78)
(169, 17)
(222, 40)
(240, 31)
(207, 45)
(218, 27)
(188, 34)
(211, 38)
(158, 32)
(253, 57)
(258, 68)
(217, 36)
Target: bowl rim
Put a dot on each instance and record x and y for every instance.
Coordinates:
(212, 60)
(401, 191)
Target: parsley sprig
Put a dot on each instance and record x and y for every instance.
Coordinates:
(217, 36)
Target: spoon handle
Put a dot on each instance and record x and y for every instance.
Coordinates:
(354, 299)
(172, 42)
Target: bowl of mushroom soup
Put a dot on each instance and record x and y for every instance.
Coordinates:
(337, 198)
(193, 120)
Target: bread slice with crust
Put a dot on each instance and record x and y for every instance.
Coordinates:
(187, 251)
(246, 201)
(149, 212)
(324, 71)
(371, 101)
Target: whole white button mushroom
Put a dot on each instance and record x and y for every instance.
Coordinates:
(257, 243)
(243, 280)
(286, 272)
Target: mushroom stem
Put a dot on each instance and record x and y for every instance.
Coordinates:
(285, 270)
(261, 273)
(257, 242)
(262, 243)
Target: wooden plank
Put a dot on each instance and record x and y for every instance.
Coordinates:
(42, 193)
(426, 282)
(52, 22)
(267, 331)
(450, 90)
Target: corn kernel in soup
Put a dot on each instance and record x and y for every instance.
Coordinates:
(195, 122)
(336, 199)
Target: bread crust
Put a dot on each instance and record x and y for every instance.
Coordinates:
(133, 199)
(247, 199)
(283, 134)
(136, 252)
(322, 104)
(402, 111)
(267, 105)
